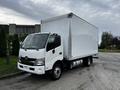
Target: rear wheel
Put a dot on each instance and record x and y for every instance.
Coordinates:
(91, 60)
(56, 72)
(87, 61)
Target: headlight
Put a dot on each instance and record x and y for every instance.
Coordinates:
(40, 61)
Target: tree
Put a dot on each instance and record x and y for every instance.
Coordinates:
(3, 44)
(15, 45)
(22, 37)
(106, 42)
(116, 42)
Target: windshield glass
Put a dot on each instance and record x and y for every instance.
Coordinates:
(36, 41)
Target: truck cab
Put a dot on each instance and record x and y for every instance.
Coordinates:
(42, 52)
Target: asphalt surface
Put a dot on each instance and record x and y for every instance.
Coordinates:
(104, 74)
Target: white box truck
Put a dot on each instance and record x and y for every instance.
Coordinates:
(63, 42)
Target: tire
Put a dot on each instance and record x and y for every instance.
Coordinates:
(84, 61)
(87, 61)
(91, 60)
(56, 72)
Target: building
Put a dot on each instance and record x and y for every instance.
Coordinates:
(20, 29)
(23, 29)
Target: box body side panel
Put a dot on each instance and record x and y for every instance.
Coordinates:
(84, 38)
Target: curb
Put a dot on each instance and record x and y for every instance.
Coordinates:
(11, 75)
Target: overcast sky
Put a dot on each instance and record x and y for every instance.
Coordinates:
(105, 14)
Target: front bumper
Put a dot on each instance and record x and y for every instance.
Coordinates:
(32, 69)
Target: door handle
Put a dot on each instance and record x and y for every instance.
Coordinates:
(53, 51)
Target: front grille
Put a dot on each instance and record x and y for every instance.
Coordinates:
(27, 61)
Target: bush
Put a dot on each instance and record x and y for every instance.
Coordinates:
(15, 45)
(3, 43)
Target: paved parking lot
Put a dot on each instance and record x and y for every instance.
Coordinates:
(104, 74)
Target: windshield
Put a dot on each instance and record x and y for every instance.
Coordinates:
(36, 41)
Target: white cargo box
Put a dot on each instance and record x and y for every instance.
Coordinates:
(80, 38)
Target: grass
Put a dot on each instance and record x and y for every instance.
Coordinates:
(107, 50)
(8, 68)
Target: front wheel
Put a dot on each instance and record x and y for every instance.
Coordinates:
(56, 72)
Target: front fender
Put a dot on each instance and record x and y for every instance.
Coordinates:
(52, 62)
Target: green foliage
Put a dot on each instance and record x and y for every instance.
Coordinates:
(22, 37)
(15, 45)
(116, 42)
(108, 41)
(8, 68)
(3, 44)
(3, 38)
(11, 41)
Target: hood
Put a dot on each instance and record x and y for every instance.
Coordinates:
(32, 53)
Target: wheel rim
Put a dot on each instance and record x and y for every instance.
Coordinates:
(57, 72)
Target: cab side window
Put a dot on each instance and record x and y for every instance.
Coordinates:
(53, 42)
